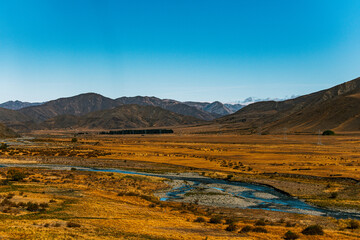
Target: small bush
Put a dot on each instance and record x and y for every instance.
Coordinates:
(260, 222)
(328, 133)
(353, 224)
(130, 194)
(246, 229)
(281, 220)
(152, 205)
(74, 140)
(231, 228)
(15, 175)
(229, 176)
(21, 204)
(215, 220)
(290, 224)
(3, 146)
(289, 235)
(150, 198)
(231, 220)
(260, 230)
(333, 195)
(72, 225)
(5, 202)
(313, 230)
(10, 195)
(57, 225)
(199, 219)
(5, 182)
(32, 207)
(44, 205)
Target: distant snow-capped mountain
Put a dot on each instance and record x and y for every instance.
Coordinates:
(251, 100)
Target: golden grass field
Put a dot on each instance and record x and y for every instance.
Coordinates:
(296, 164)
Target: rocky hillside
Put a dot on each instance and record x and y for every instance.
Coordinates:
(6, 132)
(16, 105)
(77, 106)
(334, 108)
(126, 116)
(168, 104)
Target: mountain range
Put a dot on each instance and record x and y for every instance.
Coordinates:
(16, 105)
(336, 108)
(82, 111)
(5, 132)
(121, 117)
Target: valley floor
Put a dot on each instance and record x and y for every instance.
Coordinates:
(323, 171)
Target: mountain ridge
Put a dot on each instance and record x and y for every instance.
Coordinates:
(121, 117)
(307, 113)
(17, 105)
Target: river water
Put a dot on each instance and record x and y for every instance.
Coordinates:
(191, 187)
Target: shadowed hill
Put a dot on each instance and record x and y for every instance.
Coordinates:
(333, 108)
(16, 105)
(216, 107)
(15, 120)
(77, 105)
(6, 132)
(168, 104)
(12, 116)
(126, 116)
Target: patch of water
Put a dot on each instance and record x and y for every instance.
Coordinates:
(250, 192)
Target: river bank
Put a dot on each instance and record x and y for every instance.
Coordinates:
(190, 187)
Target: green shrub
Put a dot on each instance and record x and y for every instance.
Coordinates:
(4, 182)
(333, 195)
(15, 175)
(3, 146)
(152, 205)
(290, 224)
(289, 235)
(9, 195)
(328, 133)
(246, 229)
(231, 220)
(353, 224)
(74, 140)
(229, 176)
(44, 205)
(199, 219)
(260, 230)
(260, 222)
(313, 230)
(72, 225)
(57, 225)
(231, 228)
(215, 220)
(32, 207)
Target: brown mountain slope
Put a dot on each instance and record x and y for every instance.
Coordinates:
(15, 120)
(334, 108)
(126, 116)
(77, 105)
(168, 104)
(12, 116)
(216, 107)
(6, 132)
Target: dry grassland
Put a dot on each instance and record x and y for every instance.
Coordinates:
(83, 205)
(322, 170)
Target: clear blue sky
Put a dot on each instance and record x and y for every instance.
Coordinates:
(200, 50)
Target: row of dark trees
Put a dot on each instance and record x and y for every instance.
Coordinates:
(142, 131)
